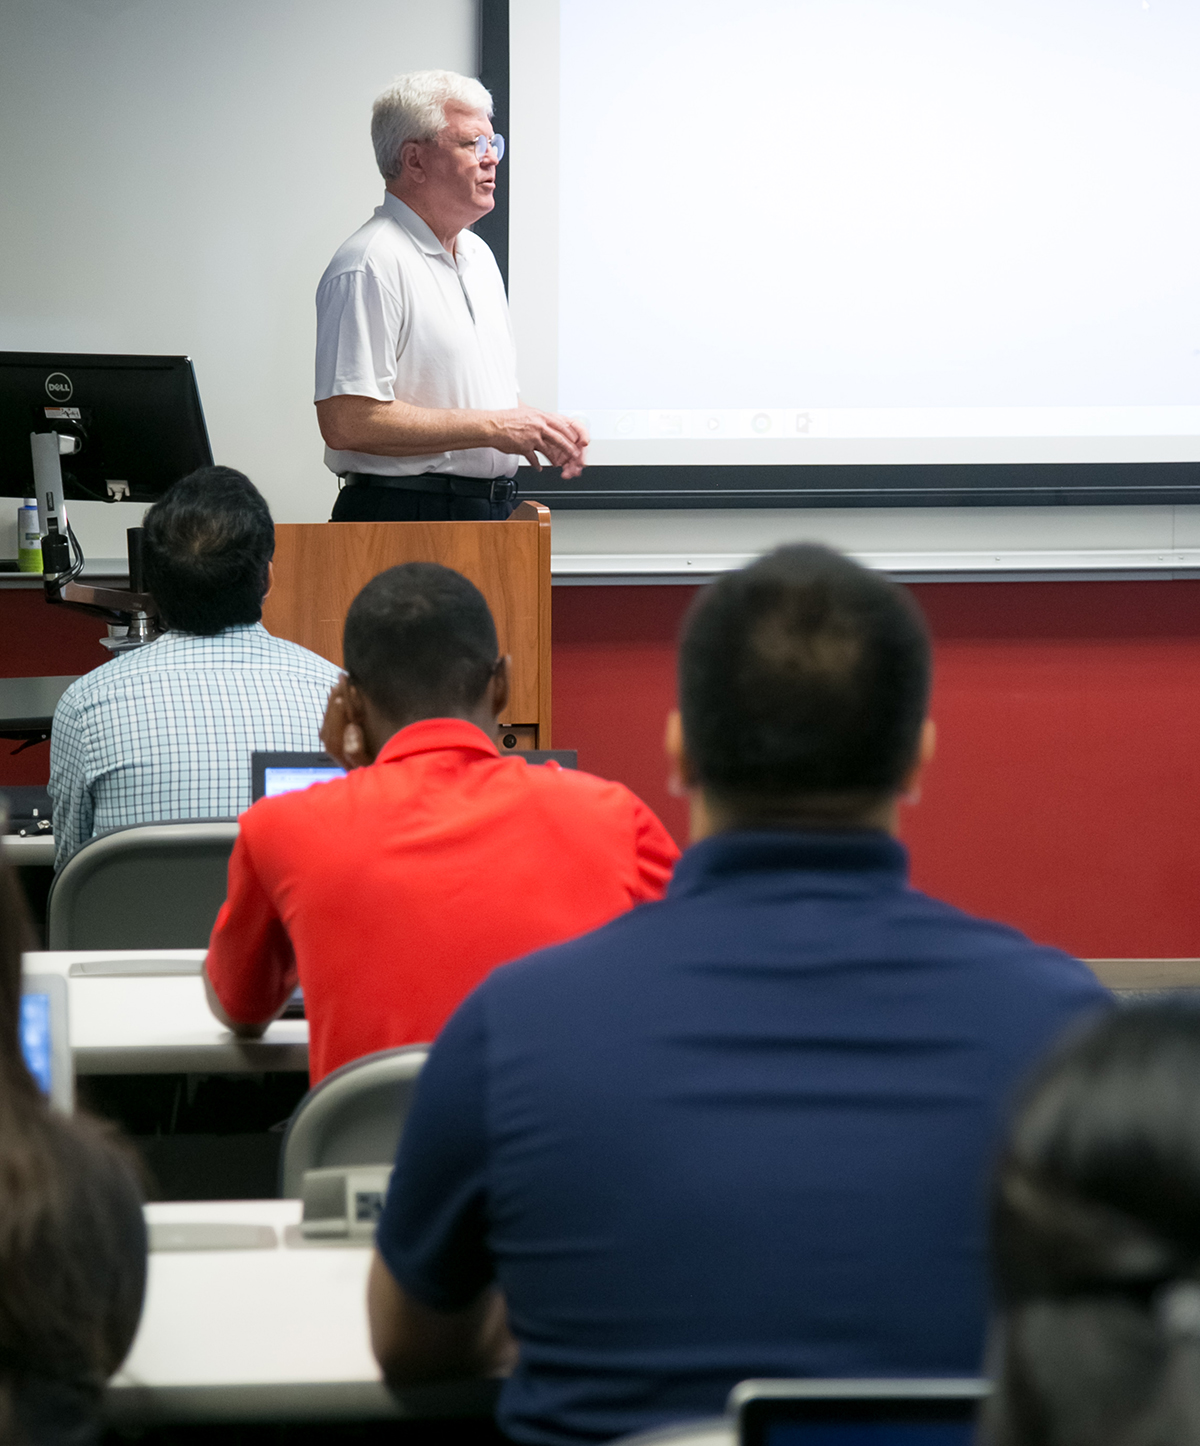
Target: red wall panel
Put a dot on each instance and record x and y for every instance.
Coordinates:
(1066, 792)
(38, 641)
(1065, 796)
(614, 683)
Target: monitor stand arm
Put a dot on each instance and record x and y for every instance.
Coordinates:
(131, 613)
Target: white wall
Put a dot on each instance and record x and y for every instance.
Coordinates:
(174, 177)
(911, 542)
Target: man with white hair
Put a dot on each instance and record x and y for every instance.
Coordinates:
(416, 373)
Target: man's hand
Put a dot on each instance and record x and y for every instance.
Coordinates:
(527, 431)
(342, 738)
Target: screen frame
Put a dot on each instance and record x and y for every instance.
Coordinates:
(789, 485)
(260, 762)
(62, 1069)
(759, 1405)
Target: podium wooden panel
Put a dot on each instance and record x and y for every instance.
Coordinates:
(320, 568)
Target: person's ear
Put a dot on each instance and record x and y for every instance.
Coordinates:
(681, 777)
(366, 732)
(354, 702)
(499, 686)
(343, 736)
(910, 788)
(412, 166)
(270, 580)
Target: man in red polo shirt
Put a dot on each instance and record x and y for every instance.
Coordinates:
(390, 893)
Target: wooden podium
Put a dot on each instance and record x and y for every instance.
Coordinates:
(320, 568)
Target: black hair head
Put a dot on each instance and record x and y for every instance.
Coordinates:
(1096, 1240)
(207, 547)
(803, 677)
(1100, 1183)
(420, 642)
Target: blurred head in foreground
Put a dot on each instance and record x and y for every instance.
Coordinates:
(1097, 1242)
(803, 688)
(72, 1240)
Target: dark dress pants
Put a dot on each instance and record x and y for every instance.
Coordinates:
(394, 504)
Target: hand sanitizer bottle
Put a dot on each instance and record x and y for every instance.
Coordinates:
(29, 537)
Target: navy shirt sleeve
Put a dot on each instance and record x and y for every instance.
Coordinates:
(433, 1232)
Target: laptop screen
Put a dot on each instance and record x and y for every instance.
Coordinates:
(45, 1036)
(284, 780)
(275, 773)
(867, 1413)
(36, 1038)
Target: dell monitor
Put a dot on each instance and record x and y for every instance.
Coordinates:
(128, 426)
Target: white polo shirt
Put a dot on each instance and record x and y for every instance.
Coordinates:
(398, 317)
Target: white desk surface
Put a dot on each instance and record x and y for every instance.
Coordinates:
(262, 1334)
(160, 1025)
(222, 1324)
(36, 849)
(714, 1431)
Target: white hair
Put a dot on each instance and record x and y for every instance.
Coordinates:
(413, 108)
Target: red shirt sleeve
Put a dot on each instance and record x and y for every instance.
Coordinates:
(657, 853)
(250, 960)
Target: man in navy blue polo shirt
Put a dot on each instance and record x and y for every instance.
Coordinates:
(745, 1131)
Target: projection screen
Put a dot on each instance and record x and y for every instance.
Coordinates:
(858, 251)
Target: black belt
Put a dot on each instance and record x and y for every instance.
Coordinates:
(495, 489)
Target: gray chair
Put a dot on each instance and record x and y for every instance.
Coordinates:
(152, 886)
(355, 1116)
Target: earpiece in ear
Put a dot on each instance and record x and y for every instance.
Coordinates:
(352, 741)
(675, 785)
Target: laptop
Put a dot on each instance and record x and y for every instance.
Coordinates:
(857, 1413)
(45, 1041)
(272, 773)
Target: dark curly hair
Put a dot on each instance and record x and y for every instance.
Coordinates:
(419, 640)
(207, 547)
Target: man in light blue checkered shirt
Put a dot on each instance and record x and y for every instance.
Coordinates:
(166, 731)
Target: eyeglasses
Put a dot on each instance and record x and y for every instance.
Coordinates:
(483, 144)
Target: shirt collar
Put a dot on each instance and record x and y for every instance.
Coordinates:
(177, 635)
(433, 735)
(420, 231)
(863, 860)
